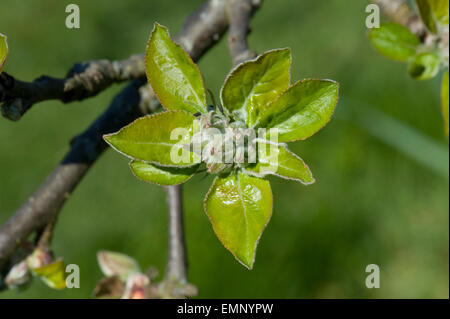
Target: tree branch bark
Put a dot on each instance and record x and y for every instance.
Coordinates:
(239, 14)
(46, 202)
(84, 80)
(201, 31)
(177, 262)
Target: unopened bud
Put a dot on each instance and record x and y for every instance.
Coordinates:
(136, 287)
(18, 276)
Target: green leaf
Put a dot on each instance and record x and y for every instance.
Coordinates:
(162, 175)
(277, 160)
(424, 66)
(54, 274)
(440, 10)
(434, 13)
(444, 101)
(255, 83)
(3, 51)
(116, 264)
(426, 14)
(302, 110)
(174, 77)
(394, 41)
(239, 208)
(156, 139)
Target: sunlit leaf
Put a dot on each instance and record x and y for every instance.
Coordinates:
(444, 101)
(54, 274)
(174, 77)
(302, 110)
(433, 13)
(440, 10)
(136, 287)
(254, 84)
(239, 208)
(279, 161)
(153, 138)
(424, 66)
(426, 14)
(3, 51)
(394, 41)
(162, 175)
(116, 264)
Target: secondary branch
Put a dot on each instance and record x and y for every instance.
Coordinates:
(84, 80)
(239, 15)
(200, 32)
(177, 263)
(44, 205)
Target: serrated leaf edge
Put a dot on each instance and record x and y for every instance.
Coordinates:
(154, 183)
(242, 64)
(291, 87)
(249, 267)
(156, 24)
(106, 136)
(255, 174)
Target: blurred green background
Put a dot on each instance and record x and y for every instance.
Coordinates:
(381, 165)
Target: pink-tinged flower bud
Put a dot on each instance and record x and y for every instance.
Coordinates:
(136, 287)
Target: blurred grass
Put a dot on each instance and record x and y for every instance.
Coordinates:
(371, 202)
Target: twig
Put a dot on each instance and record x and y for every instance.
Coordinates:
(46, 202)
(84, 80)
(177, 263)
(175, 282)
(44, 238)
(239, 15)
(201, 31)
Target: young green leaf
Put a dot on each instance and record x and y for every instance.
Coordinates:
(433, 13)
(444, 101)
(301, 110)
(53, 274)
(279, 161)
(424, 66)
(157, 139)
(254, 84)
(174, 77)
(239, 208)
(426, 14)
(117, 264)
(3, 51)
(440, 10)
(394, 41)
(162, 175)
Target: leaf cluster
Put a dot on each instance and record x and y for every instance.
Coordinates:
(256, 94)
(424, 58)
